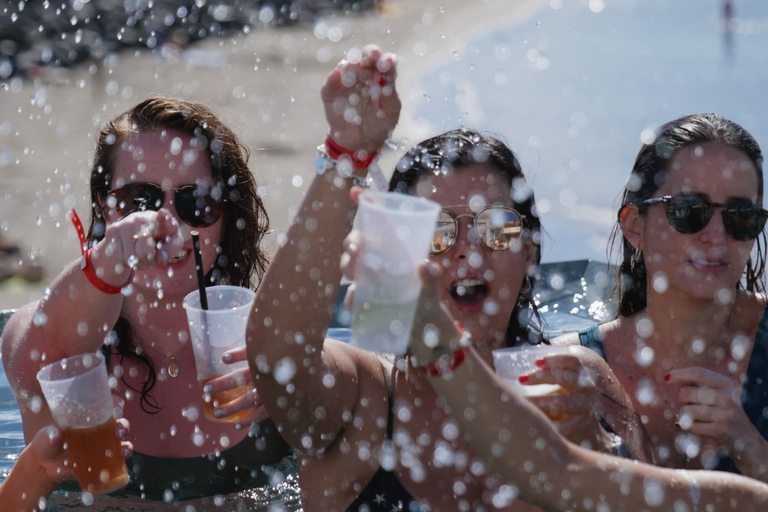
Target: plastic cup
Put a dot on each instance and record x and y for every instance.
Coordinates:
(512, 362)
(213, 332)
(78, 395)
(397, 232)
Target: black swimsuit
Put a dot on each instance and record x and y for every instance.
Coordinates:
(246, 465)
(384, 492)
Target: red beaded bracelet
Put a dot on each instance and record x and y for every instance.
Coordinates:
(358, 159)
(447, 363)
(85, 262)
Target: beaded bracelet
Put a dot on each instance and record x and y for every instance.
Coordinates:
(449, 362)
(446, 363)
(85, 262)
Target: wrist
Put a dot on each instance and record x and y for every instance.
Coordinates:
(446, 359)
(95, 275)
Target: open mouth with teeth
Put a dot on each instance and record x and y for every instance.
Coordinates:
(469, 292)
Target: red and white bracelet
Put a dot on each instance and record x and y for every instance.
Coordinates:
(85, 262)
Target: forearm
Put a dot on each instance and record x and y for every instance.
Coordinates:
(26, 484)
(293, 308)
(522, 446)
(503, 428)
(750, 455)
(77, 315)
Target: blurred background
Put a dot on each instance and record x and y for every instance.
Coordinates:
(574, 87)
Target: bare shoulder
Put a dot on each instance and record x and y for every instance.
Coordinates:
(572, 338)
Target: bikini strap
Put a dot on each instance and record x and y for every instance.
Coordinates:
(390, 413)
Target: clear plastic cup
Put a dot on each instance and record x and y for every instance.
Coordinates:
(397, 231)
(78, 395)
(213, 332)
(510, 363)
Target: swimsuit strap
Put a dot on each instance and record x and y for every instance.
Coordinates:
(390, 413)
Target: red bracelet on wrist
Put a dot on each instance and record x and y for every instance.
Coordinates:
(447, 364)
(85, 262)
(358, 159)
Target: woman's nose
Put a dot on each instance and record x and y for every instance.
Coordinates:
(714, 231)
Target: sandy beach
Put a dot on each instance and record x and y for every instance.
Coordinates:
(265, 84)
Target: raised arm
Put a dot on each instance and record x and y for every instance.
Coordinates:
(77, 312)
(524, 448)
(310, 388)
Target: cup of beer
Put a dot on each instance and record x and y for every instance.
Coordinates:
(214, 331)
(397, 231)
(78, 395)
(510, 363)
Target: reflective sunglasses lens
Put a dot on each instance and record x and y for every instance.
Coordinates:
(136, 198)
(445, 233)
(688, 214)
(743, 221)
(197, 207)
(498, 228)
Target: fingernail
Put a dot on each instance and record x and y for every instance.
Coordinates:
(207, 388)
(667, 377)
(382, 81)
(124, 452)
(120, 432)
(165, 255)
(523, 379)
(540, 362)
(218, 413)
(227, 358)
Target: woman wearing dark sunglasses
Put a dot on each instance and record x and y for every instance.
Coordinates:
(371, 433)
(162, 169)
(690, 340)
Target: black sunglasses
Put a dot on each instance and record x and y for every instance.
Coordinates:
(497, 228)
(690, 213)
(197, 205)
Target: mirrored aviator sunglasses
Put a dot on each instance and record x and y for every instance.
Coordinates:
(496, 227)
(690, 213)
(196, 205)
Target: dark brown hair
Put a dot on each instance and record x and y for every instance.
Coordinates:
(650, 172)
(458, 149)
(245, 219)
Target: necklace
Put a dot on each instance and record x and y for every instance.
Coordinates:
(173, 367)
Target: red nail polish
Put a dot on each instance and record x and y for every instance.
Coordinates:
(523, 379)
(667, 377)
(540, 362)
(382, 81)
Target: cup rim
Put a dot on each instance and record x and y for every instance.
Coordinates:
(427, 206)
(44, 372)
(196, 294)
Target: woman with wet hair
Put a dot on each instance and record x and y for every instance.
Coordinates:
(370, 432)
(690, 341)
(162, 169)
(451, 153)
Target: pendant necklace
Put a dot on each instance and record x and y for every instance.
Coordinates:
(173, 367)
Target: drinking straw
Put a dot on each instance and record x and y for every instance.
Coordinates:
(199, 267)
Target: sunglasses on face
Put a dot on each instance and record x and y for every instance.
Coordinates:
(496, 227)
(195, 204)
(690, 213)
